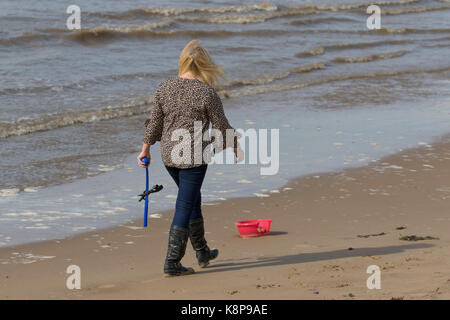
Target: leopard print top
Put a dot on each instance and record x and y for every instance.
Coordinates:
(182, 112)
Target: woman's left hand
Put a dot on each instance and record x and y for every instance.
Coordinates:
(239, 153)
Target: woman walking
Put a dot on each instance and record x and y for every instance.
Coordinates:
(182, 105)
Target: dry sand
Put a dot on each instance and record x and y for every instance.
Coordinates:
(316, 219)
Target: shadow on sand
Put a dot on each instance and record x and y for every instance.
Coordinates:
(312, 257)
(272, 233)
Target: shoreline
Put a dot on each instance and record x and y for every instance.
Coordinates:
(136, 221)
(343, 205)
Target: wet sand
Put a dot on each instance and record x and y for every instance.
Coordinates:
(326, 230)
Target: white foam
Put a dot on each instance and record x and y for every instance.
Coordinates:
(29, 213)
(9, 192)
(38, 227)
(394, 167)
(105, 168)
(79, 228)
(30, 255)
(25, 258)
(11, 214)
(133, 227)
(14, 214)
(227, 191)
(77, 214)
(261, 195)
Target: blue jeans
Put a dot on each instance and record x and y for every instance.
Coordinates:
(189, 200)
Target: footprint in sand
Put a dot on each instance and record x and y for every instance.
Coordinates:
(293, 275)
(333, 267)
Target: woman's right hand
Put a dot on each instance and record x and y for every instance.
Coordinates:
(145, 153)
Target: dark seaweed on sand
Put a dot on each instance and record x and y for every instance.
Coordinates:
(417, 238)
(371, 235)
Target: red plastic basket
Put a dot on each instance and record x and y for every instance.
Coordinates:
(253, 228)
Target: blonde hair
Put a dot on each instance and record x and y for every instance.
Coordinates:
(195, 58)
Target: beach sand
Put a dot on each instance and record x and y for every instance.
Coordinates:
(327, 230)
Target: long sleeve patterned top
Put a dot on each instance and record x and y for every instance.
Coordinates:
(182, 112)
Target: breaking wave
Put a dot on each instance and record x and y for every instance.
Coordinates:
(313, 52)
(264, 6)
(366, 44)
(398, 11)
(321, 49)
(272, 77)
(58, 120)
(77, 85)
(299, 85)
(372, 57)
(319, 20)
(245, 19)
(348, 6)
(99, 35)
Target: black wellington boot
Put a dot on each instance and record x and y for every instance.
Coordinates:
(178, 238)
(197, 237)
